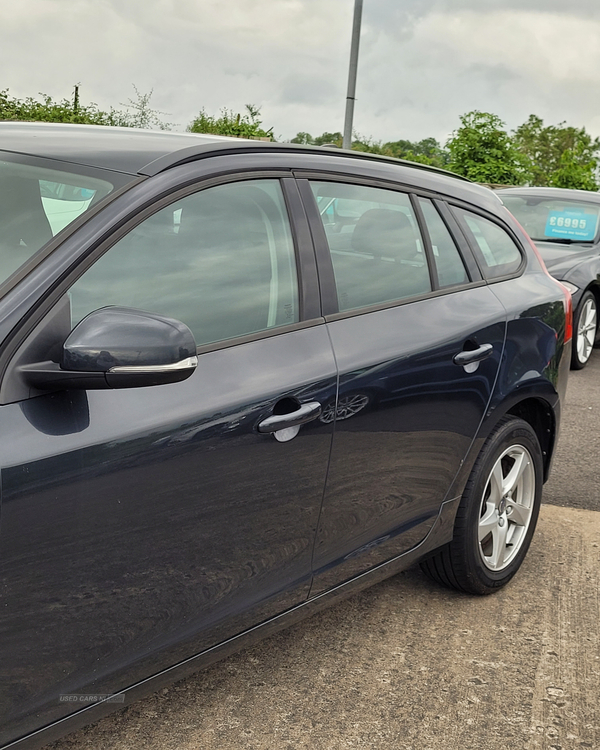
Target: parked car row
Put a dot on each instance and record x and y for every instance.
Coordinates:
(240, 380)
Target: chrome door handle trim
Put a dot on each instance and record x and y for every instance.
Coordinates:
(477, 355)
(306, 413)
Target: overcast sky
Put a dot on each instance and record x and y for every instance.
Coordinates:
(422, 63)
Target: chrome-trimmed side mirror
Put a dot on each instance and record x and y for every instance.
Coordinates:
(119, 347)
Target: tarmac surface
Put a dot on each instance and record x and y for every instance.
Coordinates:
(574, 481)
(410, 666)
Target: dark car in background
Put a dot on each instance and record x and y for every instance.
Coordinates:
(238, 381)
(564, 226)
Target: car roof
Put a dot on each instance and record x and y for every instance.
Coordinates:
(135, 151)
(118, 149)
(552, 192)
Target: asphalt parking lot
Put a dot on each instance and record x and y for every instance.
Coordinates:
(411, 666)
(574, 481)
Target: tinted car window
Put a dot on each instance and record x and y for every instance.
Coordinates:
(553, 218)
(448, 262)
(220, 260)
(496, 251)
(36, 204)
(376, 248)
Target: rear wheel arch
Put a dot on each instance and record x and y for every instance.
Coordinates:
(497, 514)
(538, 413)
(583, 342)
(594, 288)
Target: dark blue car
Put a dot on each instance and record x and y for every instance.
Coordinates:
(240, 380)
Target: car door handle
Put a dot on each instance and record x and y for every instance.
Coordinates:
(306, 413)
(475, 355)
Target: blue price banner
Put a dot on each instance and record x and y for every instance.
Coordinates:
(578, 225)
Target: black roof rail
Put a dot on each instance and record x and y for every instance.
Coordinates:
(202, 151)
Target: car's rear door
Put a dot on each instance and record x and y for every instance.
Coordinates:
(142, 526)
(418, 338)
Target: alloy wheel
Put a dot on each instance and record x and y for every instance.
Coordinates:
(586, 329)
(506, 508)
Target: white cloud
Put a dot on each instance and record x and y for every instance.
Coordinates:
(546, 47)
(508, 62)
(422, 62)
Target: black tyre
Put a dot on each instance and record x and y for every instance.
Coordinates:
(585, 326)
(497, 514)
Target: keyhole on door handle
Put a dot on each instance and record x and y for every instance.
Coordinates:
(286, 405)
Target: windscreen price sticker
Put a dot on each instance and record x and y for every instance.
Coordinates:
(571, 224)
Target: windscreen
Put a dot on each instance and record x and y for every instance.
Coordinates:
(36, 203)
(553, 219)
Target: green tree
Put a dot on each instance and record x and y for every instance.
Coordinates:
(329, 139)
(141, 115)
(483, 151)
(325, 139)
(246, 125)
(368, 145)
(576, 169)
(558, 155)
(47, 109)
(303, 138)
(425, 151)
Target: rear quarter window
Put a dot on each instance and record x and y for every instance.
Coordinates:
(497, 253)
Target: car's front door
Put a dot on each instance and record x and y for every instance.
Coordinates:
(142, 526)
(418, 340)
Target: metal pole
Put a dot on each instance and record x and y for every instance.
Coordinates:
(347, 142)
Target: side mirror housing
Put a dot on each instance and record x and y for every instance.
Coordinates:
(119, 347)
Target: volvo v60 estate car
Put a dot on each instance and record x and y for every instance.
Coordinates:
(239, 380)
(565, 228)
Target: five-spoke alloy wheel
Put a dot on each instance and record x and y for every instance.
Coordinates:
(585, 327)
(497, 514)
(506, 507)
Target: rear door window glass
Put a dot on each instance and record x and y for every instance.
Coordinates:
(496, 251)
(449, 264)
(376, 247)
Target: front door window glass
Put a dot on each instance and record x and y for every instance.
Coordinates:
(221, 261)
